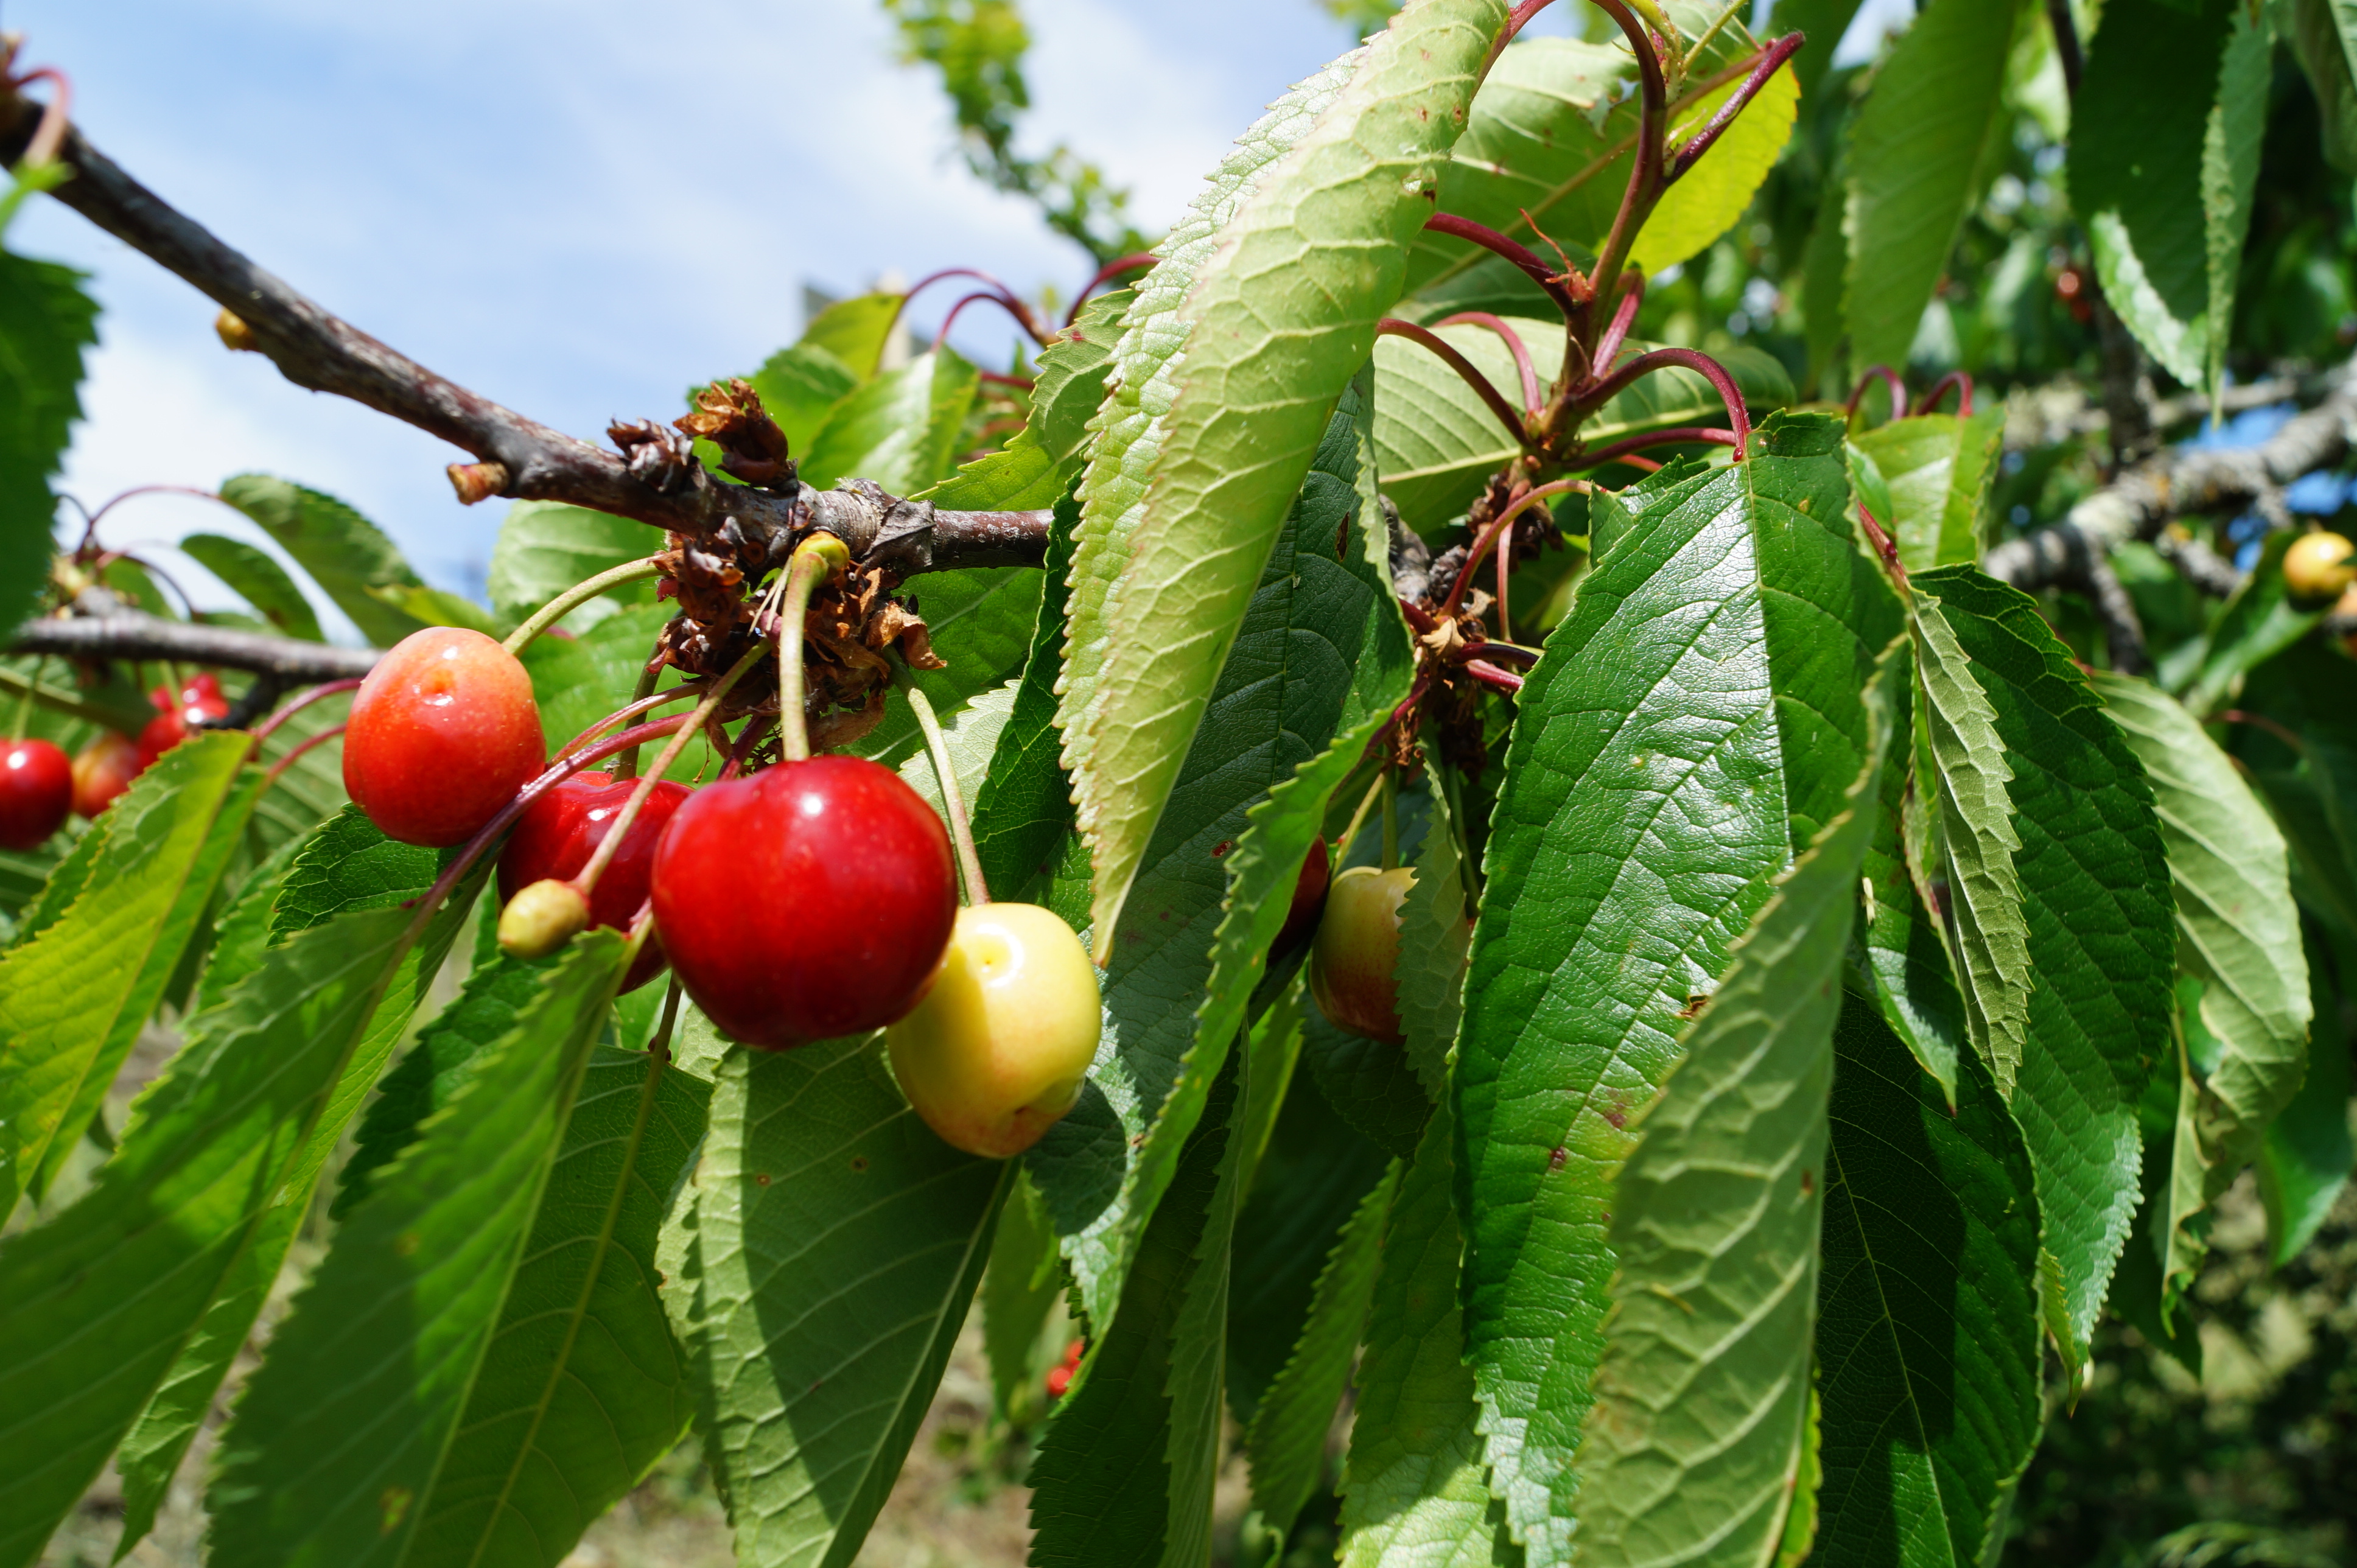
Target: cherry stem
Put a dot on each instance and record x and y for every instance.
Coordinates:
(819, 556)
(1135, 261)
(1956, 378)
(580, 594)
(1633, 297)
(1015, 306)
(555, 773)
(756, 731)
(626, 766)
(637, 705)
(1389, 783)
(1006, 302)
(1506, 551)
(1618, 452)
(1653, 360)
(659, 1047)
(1489, 240)
(1646, 181)
(1391, 326)
(309, 743)
(1884, 546)
(2275, 727)
(1513, 345)
(952, 798)
(319, 693)
(1489, 674)
(1765, 64)
(1871, 374)
(1516, 20)
(1521, 503)
(611, 844)
(1366, 803)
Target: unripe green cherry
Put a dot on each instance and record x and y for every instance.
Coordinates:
(2319, 565)
(1357, 945)
(997, 1050)
(542, 918)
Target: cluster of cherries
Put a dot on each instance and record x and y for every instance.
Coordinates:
(38, 786)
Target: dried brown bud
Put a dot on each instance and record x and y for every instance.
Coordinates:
(730, 415)
(478, 482)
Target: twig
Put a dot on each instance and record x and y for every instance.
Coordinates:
(135, 634)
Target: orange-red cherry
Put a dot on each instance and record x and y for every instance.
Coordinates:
(557, 834)
(443, 734)
(35, 793)
(102, 770)
(199, 703)
(810, 901)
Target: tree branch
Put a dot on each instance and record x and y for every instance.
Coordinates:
(135, 634)
(516, 456)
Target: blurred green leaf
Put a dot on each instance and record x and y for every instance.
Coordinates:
(899, 430)
(255, 577)
(1939, 469)
(2259, 622)
(799, 385)
(545, 547)
(1023, 813)
(1020, 1287)
(852, 331)
(2308, 1153)
(816, 1339)
(345, 553)
(47, 320)
(344, 1430)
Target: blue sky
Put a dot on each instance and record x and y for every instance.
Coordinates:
(576, 206)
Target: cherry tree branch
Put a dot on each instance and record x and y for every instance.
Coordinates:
(127, 633)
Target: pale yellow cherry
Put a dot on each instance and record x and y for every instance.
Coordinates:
(1356, 948)
(2319, 565)
(997, 1050)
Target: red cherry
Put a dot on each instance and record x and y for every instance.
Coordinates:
(105, 769)
(1058, 1379)
(558, 833)
(812, 900)
(443, 734)
(173, 725)
(1308, 897)
(35, 793)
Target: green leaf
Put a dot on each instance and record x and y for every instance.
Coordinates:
(1553, 131)
(1287, 1443)
(1036, 468)
(2311, 692)
(1698, 714)
(255, 577)
(242, 939)
(345, 1429)
(1321, 655)
(1439, 443)
(2308, 1153)
(581, 1390)
(2141, 163)
(1371, 1084)
(1123, 1473)
(436, 607)
(1706, 202)
(47, 320)
(1695, 1447)
(1023, 813)
(817, 1281)
(74, 996)
(981, 622)
(345, 553)
(1928, 1344)
(2231, 138)
(345, 867)
(799, 385)
(2238, 935)
(2258, 622)
(1020, 1287)
(899, 430)
(1968, 774)
(1414, 1494)
(579, 682)
(854, 330)
(1913, 152)
(1278, 320)
(2094, 888)
(2323, 36)
(545, 547)
(98, 1304)
(1824, 22)
(1939, 469)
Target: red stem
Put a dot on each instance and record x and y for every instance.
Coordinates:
(1005, 302)
(307, 744)
(1956, 378)
(1884, 545)
(1645, 177)
(1763, 67)
(1516, 21)
(50, 134)
(1872, 372)
(1489, 240)
(632, 710)
(1513, 345)
(1619, 451)
(1489, 674)
(558, 772)
(1624, 316)
(269, 727)
(1391, 326)
(1024, 383)
(1015, 305)
(1105, 275)
(1521, 503)
(1645, 364)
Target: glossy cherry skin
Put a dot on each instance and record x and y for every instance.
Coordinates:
(558, 833)
(811, 901)
(443, 734)
(102, 770)
(1309, 897)
(35, 793)
(996, 1051)
(2319, 565)
(1356, 948)
(201, 702)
